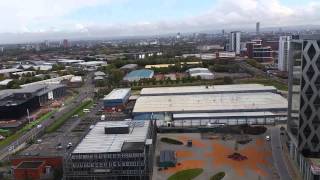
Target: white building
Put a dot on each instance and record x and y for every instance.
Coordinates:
(284, 45)
(204, 73)
(235, 42)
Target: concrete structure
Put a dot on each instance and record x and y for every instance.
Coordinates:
(283, 57)
(99, 73)
(218, 89)
(5, 82)
(129, 67)
(14, 103)
(116, 100)
(304, 99)
(257, 28)
(235, 41)
(138, 75)
(256, 50)
(57, 80)
(114, 150)
(203, 73)
(200, 105)
(8, 72)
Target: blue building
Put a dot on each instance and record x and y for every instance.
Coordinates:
(116, 100)
(138, 75)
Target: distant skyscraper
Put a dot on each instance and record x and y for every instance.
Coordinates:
(235, 42)
(258, 28)
(178, 36)
(304, 105)
(223, 32)
(65, 43)
(283, 58)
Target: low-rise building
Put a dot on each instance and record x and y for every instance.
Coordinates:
(139, 75)
(116, 100)
(16, 103)
(203, 73)
(114, 150)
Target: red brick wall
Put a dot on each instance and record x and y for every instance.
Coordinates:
(54, 162)
(34, 174)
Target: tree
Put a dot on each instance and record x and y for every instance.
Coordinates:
(13, 84)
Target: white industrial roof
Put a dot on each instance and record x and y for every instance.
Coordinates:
(217, 115)
(209, 90)
(3, 71)
(5, 82)
(97, 141)
(231, 102)
(117, 94)
(76, 79)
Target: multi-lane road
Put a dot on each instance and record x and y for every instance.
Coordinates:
(86, 91)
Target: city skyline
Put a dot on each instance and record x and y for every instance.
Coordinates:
(108, 18)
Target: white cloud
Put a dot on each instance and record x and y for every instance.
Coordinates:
(20, 17)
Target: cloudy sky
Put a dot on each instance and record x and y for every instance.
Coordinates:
(51, 19)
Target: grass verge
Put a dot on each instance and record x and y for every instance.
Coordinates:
(171, 141)
(218, 176)
(186, 174)
(26, 128)
(60, 121)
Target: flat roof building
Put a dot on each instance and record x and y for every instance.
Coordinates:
(117, 99)
(231, 102)
(227, 104)
(217, 89)
(114, 150)
(138, 75)
(15, 102)
(203, 73)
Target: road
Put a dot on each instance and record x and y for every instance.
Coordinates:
(87, 91)
(278, 156)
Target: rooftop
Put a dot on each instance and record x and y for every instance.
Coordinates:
(5, 82)
(244, 88)
(222, 115)
(117, 94)
(232, 102)
(142, 73)
(30, 164)
(129, 66)
(97, 141)
(3, 71)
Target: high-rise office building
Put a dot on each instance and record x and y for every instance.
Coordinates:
(258, 28)
(304, 105)
(284, 45)
(235, 42)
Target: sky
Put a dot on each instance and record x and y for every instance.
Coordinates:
(51, 19)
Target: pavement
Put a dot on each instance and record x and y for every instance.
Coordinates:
(278, 156)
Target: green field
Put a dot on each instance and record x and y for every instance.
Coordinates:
(60, 121)
(186, 174)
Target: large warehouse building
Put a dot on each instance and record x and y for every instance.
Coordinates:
(118, 150)
(116, 100)
(14, 103)
(227, 104)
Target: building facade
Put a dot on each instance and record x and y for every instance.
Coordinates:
(235, 42)
(304, 105)
(284, 45)
(119, 150)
